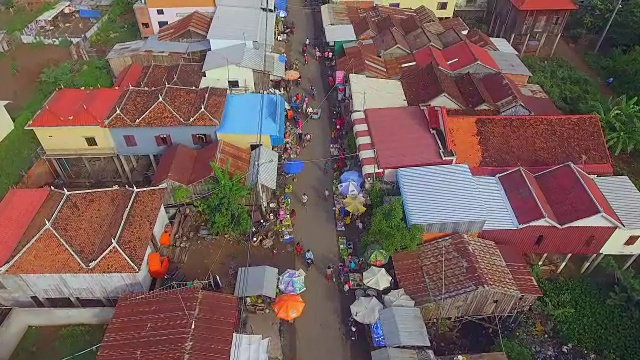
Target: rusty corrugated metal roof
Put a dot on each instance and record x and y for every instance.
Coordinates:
(185, 323)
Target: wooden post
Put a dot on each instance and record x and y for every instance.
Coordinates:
(524, 45)
(106, 302)
(595, 263)
(115, 160)
(587, 263)
(564, 22)
(544, 36)
(542, 259)
(59, 169)
(133, 160)
(86, 163)
(511, 39)
(126, 167)
(564, 263)
(153, 162)
(629, 262)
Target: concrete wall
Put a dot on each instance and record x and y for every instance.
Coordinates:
(6, 124)
(142, 17)
(16, 324)
(71, 140)
(429, 4)
(245, 140)
(172, 14)
(220, 77)
(615, 245)
(145, 138)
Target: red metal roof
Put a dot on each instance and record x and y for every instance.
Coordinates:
(469, 263)
(76, 107)
(17, 210)
(186, 166)
(428, 55)
(130, 76)
(184, 323)
(531, 5)
(466, 53)
(401, 138)
(520, 196)
(422, 85)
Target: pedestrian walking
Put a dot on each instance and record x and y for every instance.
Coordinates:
(326, 166)
(298, 249)
(329, 273)
(305, 198)
(300, 138)
(292, 215)
(326, 54)
(317, 53)
(326, 194)
(331, 81)
(307, 42)
(359, 225)
(306, 59)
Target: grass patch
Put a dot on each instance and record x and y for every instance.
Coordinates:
(57, 342)
(21, 17)
(17, 150)
(572, 91)
(118, 26)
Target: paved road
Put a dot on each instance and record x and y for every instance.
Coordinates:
(319, 330)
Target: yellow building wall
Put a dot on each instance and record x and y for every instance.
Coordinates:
(179, 4)
(6, 124)
(71, 140)
(244, 140)
(429, 4)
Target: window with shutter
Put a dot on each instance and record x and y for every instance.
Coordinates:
(163, 140)
(130, 140)
(201, 139)
(632, 240)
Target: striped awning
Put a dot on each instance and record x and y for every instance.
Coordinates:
(366, 152)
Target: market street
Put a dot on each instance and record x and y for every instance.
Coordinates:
(319, 332)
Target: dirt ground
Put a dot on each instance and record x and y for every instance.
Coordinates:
(20, 70)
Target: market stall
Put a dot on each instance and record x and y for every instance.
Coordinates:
(400, 327)
(257, 285)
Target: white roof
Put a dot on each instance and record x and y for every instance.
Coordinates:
(336, 28)
(242, 24)
(403, 326)
(267, 162)
(244, 56)
(50, 14)
(249, 347)
(499, 214)
(440, 194)
(623, 197)
(372, 93)
(503, 45)
(509, 63)
(254, 4)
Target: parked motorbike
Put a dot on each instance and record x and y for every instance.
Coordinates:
(353, 331)
(308, 262)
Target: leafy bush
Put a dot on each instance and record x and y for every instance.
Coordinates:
(621, 122)
(514, 350)
(623, 67)
(181, 194)
(582, 315)
(389, 230)
(571, 91)
(116, 28)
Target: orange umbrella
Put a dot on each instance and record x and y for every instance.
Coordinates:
(288, 306)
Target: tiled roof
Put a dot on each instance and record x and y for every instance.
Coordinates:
(532, 5)
(470, 264)
(465, 53)
(187, 166)
(183, 74)
(451, 37)
(197, 22)
(168, 106)
(501, 91)
(67, 243)
(76, 107)
(536, 100)
(519, 269)
(401, 138)
(494, 144)
(389, 39)
(562, 195)
(17, 210)
(420, 38)
(472, 91)
(454, 23)
(422, 85)
(185, 323)
(361, 58)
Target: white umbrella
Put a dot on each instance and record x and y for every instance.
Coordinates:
(398, 298)
(349, 188)
(376, 278)
(366, 310)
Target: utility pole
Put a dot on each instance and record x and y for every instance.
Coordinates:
(604, 33)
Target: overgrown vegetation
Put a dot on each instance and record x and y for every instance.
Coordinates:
(57, 342)
(572, 91)
(515, 350)
(623, 67)
(17, 18)
(621, 122)
(181, 194)
(119, 25)
(223, 209)
(389, 230)
(19, 147)
(582, 314)
(591, 17)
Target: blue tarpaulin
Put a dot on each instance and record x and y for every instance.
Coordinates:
(376, 334)
(86, 13)
(249, 114)
(293, 167)
(281, 4)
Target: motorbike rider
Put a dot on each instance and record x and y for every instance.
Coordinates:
(312, 90)
(308, 257)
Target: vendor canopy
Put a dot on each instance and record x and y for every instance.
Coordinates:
(403, 327)
(256, 280)
(249, 347)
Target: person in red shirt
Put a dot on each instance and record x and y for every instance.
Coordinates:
(298, 249)
(331, 81)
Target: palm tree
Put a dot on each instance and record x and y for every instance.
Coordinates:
(621, 122)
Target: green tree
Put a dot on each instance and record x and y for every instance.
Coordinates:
(623, 67)
(389, 230)
(590, 18)
(621, 122)
(223, 208)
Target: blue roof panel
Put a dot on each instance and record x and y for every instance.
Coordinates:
(251, 114)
